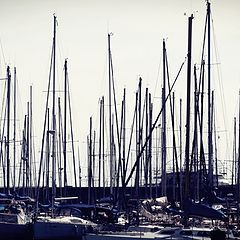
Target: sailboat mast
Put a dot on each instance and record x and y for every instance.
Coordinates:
(189, 62)
(238, 162)
(27, 151)
(79, 169)
(110, 112)
(31, 147)
(146, 151)
(14, 129)
(210, 164)
(8, 127)
(234, 152)
(100, 145)
(180, 149)
(72, 137)
(164, 181)
(150, 144)
(65, 128)
(90, 165)
(138, 136)
(103, 147)
(174, 148)
(53, 117)
(124, 144)
(215, 138)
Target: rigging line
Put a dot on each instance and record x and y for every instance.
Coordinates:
(97, 111)
(60, 139)
(20, 106)
(131, 134)
(3, 103)
(123, 135)
(103, 77)
(222, 97)
(158, 73)
(5, 64)
(173, 127)
(154, 124)
(115, 103)
(117, 121)
(2, 161)
(143, 110)
(72, 137)
(219, 73)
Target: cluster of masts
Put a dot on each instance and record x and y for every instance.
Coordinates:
(145, 168)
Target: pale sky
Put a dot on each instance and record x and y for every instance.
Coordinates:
(138, 26)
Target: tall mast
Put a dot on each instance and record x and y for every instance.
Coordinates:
(47, 164)
(156, 160)
(124, 144)
(150, 144)
(188, 107)
(100, 145)
(164, 181)
(93, 166)
(210, 151)
(215, 138)
(8, 127)
(27, 151)
(238, 177)
(138, 135)
(30, 150)
(103, 147)
(180, 149)
(194, 157)
(146, 176)
(14, 129)
(65, 129)
(54, 116)
(24, 155)
(79, 169)
(137, 149)
(234, 152)
(238, 162)
(110, 113)
(60, 140)
(90, 164)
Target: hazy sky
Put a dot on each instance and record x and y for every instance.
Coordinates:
(139, 26)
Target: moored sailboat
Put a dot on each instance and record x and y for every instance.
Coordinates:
(15, 223)
(52, 225)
